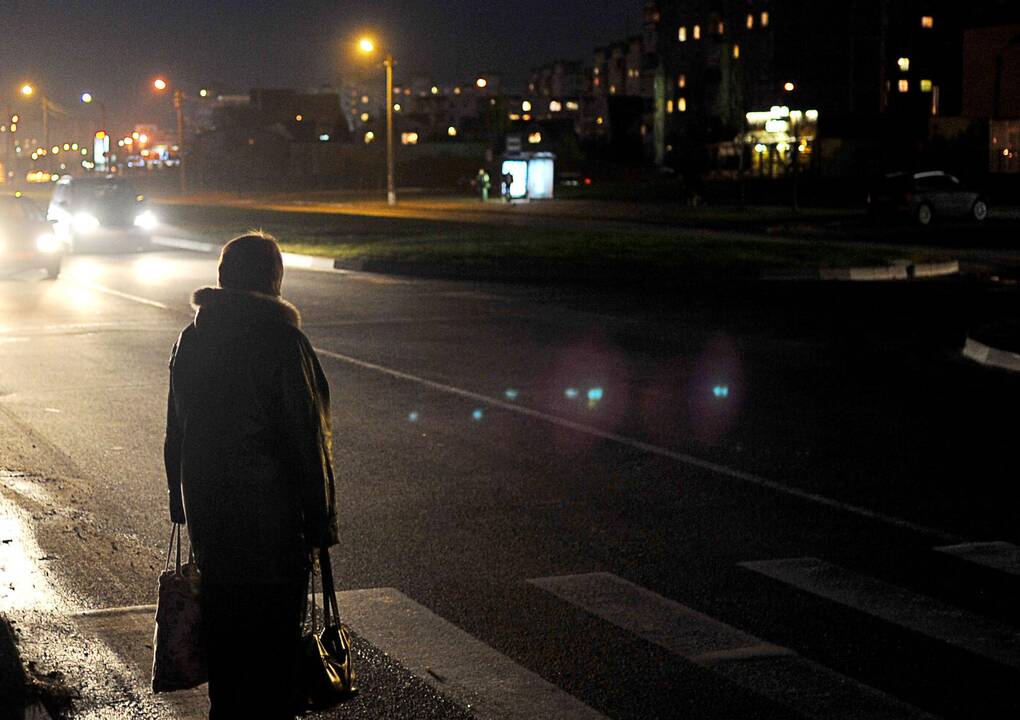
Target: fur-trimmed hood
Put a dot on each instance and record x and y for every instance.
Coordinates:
(222, 309)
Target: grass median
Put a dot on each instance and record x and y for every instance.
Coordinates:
(541, 250)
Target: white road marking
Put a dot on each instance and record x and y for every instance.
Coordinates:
(123, 295)
(920, 613)
(1002, 556)
(708, 465)
(756, 665)
(472, 672)
(646, 447)
(459, 666)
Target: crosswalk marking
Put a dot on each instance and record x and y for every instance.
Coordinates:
(472, 672)
(928, 616)
(754, 664)
(1002, 556)
(458, 665)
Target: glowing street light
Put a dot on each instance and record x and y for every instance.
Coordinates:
(367, 46)
(159, 85)
(29, 90)
(86, 97)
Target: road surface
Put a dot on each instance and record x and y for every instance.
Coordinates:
(772, 501)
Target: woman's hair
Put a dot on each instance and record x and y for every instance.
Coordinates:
(252, 262)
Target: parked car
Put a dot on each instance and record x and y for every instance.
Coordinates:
(926, 196)
(26, 239)
(101, 211)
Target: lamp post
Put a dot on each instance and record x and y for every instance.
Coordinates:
(160, 85)
(88, 99)
(367, 46)
(28, 90)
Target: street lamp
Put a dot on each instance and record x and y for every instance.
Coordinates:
(28, 90)
(88, 98)
(367, 46)
(159, 85)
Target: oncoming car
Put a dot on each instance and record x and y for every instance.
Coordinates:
(26, 240)
(101, 211)
(926, 196)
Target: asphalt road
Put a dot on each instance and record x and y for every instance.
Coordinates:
(578, 500)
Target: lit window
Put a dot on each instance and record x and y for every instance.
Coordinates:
(927, 22)
(364, 99)
(600, 120)
(555, 106)
(526, 106)
(904, 86)
(789, 87)
(396, 107)
(409, 138)
(765, 19)
(572, 105)
(903, 64)
(435, 90)
(720, 28)
(736, 52)
(669, 106)
(681, 81)
(681, 35)
(926, 86)
(364, 117)
(681, 104)
(612, 89)
(750, 21)
(697, 32)
(369, 137)
(451, 131)
(535, 138)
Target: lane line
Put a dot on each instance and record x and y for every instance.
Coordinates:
(648, 447)
(999, 555)
(450, 660)
(684, 458)
(124, 295)
(920, 613)
(756, 665)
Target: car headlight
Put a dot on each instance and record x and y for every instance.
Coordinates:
(47, 243)
(146, 220)
(84, 222)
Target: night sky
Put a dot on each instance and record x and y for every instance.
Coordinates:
(114, 49)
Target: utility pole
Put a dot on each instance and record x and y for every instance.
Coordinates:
(179, 106)
(391, 190)
(46, 122)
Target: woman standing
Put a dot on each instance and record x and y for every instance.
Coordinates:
(248, 456)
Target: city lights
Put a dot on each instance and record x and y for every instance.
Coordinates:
(366, 45)
(159, 84)
(27, 90)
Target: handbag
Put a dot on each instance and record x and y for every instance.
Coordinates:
(327, 674)
(178, 652)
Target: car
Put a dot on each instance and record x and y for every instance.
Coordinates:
(925, 197)
(27, 240)
(101, 211)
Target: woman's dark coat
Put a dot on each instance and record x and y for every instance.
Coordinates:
(248, 446)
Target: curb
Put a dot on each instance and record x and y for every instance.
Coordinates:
(294, 260)
(991, 357)
(898, 271)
